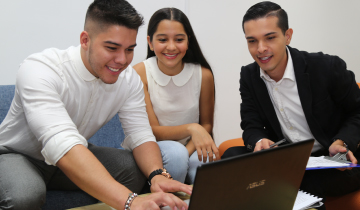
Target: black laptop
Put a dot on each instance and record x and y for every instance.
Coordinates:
(268, 179)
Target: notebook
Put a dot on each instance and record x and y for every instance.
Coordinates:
(268, 179)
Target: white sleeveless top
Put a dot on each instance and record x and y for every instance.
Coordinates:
(175, 99)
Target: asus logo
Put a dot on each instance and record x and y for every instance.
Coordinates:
(256, 184)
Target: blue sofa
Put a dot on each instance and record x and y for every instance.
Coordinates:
(110, 135)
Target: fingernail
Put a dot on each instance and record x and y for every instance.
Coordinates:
(183, 208)
(175, 208)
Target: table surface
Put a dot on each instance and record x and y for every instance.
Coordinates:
(103, 206)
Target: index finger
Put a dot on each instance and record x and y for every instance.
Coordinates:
(177, 206)
(178, 202)
(351, 157)
(176, 186)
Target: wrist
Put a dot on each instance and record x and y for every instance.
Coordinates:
(129, 201)
(191, 128)
(162, 171)
(340, 142)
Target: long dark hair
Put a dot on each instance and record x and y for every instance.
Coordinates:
(193, 54)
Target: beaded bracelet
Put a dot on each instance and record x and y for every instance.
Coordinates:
(129, 201)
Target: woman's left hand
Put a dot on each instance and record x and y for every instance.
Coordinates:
(204, 144)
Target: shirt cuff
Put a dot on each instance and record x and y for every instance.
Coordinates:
(59, 145)
(136, 139)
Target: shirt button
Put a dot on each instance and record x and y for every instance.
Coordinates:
(291, 128)
(281, 110)
(276, 89)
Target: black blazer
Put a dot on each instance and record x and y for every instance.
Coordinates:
(328, 93)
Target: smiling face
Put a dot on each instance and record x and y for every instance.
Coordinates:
(170, 43)
(267, 45)
(106, 54)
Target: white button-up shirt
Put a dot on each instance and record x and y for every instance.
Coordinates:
(285, 99)
(58, 104)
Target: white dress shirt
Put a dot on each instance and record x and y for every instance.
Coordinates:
(285, 99)
(58, 104)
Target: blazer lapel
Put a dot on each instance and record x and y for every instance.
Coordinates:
(305, 93)
(264, 100)
(303, 82)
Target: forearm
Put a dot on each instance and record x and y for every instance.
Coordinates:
(86, 171)
(208, 127)
(172, 132)
(148, 157)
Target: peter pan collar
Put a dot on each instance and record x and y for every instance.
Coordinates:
(162, 79)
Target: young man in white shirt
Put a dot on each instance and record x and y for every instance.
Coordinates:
(62, 98)
(296, 95)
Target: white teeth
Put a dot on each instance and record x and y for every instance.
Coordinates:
(170, 55)
(265, 58)
(112, 69)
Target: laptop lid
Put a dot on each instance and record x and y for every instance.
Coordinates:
(268, 179)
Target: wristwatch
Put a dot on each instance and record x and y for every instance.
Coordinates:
(161, 171)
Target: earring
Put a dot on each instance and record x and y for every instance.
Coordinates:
(151, 49)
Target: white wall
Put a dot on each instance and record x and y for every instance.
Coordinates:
(330, 26)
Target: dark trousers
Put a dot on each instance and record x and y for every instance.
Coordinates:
(322, 182)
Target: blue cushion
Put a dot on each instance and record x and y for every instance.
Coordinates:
(110, 135)
(6, 97)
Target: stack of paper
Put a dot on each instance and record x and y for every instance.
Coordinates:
(321, 162)
(306, 201)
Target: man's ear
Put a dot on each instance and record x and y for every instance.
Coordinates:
(85, 40)
(149, 43)
(288, 35)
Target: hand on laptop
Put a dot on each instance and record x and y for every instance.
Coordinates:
(162, 184)
(263, 144)
(339, 146)
(156, 200)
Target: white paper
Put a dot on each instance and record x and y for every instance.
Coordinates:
(315, 162)
(305, 201)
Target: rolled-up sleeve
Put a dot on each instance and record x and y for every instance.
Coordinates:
(133, 115)
(40, 87)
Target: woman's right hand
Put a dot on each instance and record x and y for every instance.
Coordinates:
(156, 200)
(204, 144)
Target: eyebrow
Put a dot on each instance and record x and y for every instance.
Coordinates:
(166, 35)
(271, 33)
(117, 44)
(268, 34)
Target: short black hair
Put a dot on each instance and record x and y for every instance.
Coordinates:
(266, 9)
(114, 12)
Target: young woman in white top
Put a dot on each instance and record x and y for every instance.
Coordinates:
(179, 94)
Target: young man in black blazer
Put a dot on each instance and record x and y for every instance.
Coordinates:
(296, 95)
